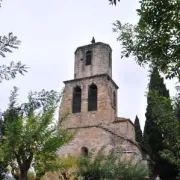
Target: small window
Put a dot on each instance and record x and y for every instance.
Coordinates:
(110, 90)
(84, 151)
(76, 100)
(114, 99)
(88, 58)
(92, 98)
(110, 60)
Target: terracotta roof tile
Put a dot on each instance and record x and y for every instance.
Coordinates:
(121, 119)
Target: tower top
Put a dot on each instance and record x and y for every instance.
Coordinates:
(92, 44)
(93, 59)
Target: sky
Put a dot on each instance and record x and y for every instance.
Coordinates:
(51, 30)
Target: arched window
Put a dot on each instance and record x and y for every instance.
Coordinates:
(92, 98)
(84, 151)
(114, 99)
(88, 57)
(76, 100)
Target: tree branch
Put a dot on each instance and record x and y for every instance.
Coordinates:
(7, 43)
(10, 72)
(114, 2)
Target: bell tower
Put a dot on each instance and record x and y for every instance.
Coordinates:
(93, 59)
(89, 106)
(91, 97)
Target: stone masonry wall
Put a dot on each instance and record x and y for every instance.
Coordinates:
(105, 113)
(124, 129)
(94, 139)
(101, 53)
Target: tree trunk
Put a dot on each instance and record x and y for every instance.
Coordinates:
(23, 175)
(23, 163)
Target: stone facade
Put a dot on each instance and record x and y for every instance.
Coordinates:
(106, 111)
(102, 127)
(94, 138)
(101, 60)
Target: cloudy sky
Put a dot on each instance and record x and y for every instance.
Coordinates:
(51, 30)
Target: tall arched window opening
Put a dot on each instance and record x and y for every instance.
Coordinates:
(88, 57)
(76, 100)
(92, 98)
(114, 99)
(84, 151)
(110, 60)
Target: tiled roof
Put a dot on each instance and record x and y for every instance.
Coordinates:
(121, 119)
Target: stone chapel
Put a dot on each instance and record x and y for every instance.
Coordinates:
(90, 103)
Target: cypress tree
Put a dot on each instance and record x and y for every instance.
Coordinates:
(152, 137)
(138, 131)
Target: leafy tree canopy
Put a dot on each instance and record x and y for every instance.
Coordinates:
(154, 40)
(7, 43)
(31, 136)
(169, 123)
(111, 166)
(153, 136)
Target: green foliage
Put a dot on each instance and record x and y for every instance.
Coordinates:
(138, 131)
(31, 175)
(3, 163)
(169, 123)
(177, 106)
(1, 126)
(7, 43)
(31, 133)
(111, 166)
(10, 72)
(114, 2)
(154, 41)
(153, 135)
(68, 161)
(155, 38)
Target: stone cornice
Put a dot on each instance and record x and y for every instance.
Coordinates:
(94, 44)
(91, 77)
